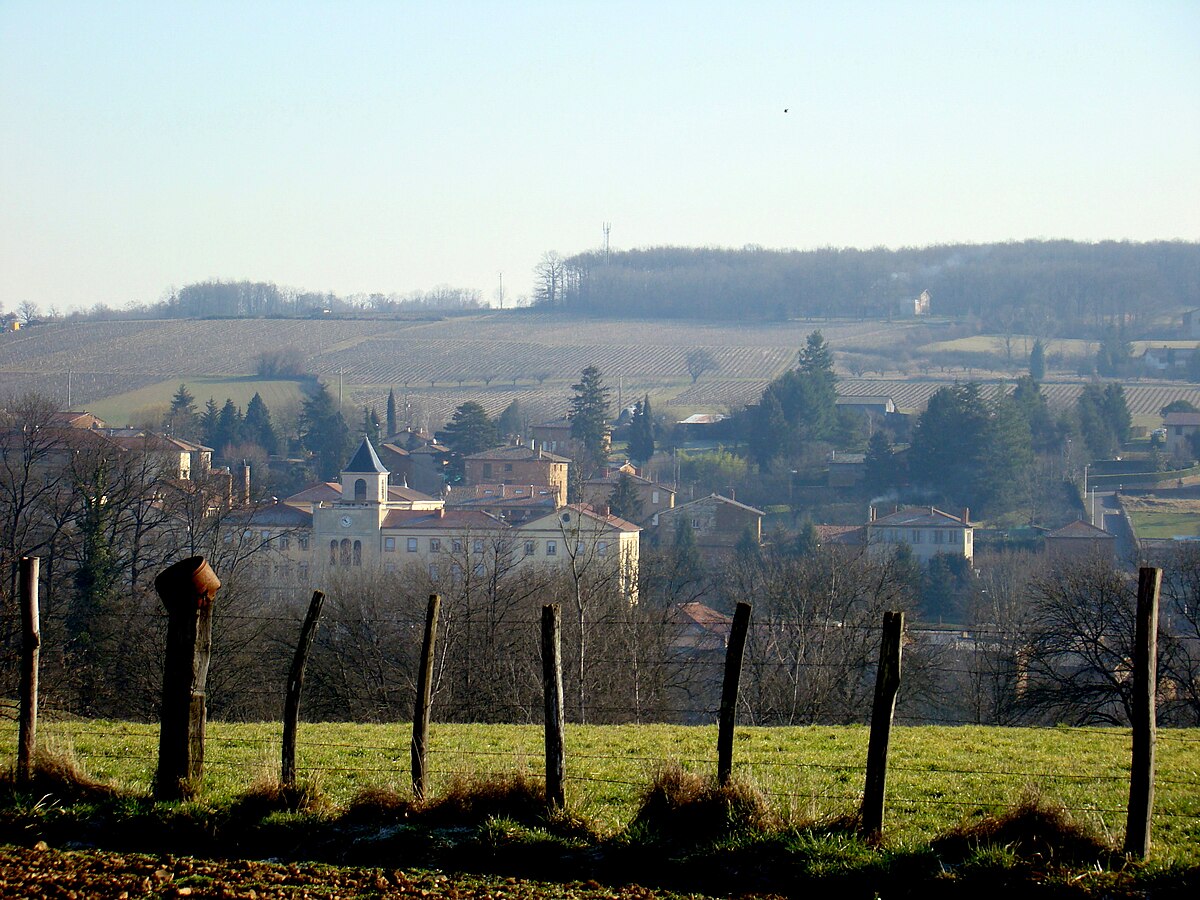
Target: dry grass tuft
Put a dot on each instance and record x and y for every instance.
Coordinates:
(1033, 831)
(378, 805)
(683, 806)
(56, 776)
(471, 801)
(268, 796)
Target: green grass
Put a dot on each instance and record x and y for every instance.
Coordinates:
(121, 409)
(1165, 525)
(938, 777)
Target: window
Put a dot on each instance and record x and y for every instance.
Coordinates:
(479, 570)
(579, 551)
(345, 551)
(433, 572)
(916, 536)
(477, 546)
(389, 567)
(284, 542)
(455, 570)
(456, 545)
(695, 523)
(602, 548)
(655, 521)
(412, 545)
(333, 553)
(508, 467)
(487, 470)
(654, 497)
(530, 547)
(265, 535)
(360, 489)
(551, 548)
(389, 545)
(304, 542)
(303, 567)
(938, 536)
(435, 545)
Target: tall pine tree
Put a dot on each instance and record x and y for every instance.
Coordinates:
(641, 432)
(391, 413)
(589, 416)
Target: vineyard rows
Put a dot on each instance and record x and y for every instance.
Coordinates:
(1143, 399)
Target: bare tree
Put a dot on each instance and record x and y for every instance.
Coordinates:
(699, 361)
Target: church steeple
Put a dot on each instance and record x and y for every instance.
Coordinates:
(364, 480)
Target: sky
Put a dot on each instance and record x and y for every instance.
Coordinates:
(393, 147)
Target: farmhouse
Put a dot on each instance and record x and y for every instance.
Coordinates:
(654, 497)
(1180, 428)
(518, 465)
(717, 523)
(1079, 540)
(926, 530)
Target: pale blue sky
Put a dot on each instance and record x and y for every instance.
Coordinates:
(388, 147)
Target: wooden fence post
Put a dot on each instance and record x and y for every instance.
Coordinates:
(31, 641)
(1145, 684)
(552, 690)
(295, 684)
(729, 692)
(887, 683)
(420, 735)
(187, 589)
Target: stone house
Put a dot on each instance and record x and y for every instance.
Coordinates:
(517, 464)
(717, 523)
(926, 530)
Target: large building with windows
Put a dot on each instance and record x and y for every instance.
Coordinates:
(362, 522)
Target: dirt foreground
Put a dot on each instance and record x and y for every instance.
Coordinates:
(97, 875)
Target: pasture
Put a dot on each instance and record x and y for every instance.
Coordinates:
(939, 777)
(1163, 518)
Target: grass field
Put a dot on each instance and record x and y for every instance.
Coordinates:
(938, 777)
(131, 406)
(1163, 519)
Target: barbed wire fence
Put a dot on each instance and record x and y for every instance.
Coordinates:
(698, 666)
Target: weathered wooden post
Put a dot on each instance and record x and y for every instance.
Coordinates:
(31, 642)
(729, 692)
(420, 736)
(187, 589)
(887, 683)
(295, 684)
(1145, 685)
(552, 689)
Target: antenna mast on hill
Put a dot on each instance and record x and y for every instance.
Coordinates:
(502, 290)
(607, 226)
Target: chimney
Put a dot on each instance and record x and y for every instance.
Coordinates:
(246, 482)
(871, 513)
(602, 509)
(441, 512)
(966, 516)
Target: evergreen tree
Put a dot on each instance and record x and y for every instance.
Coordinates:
(589, 416)
(1037, 361)
(1031, 401)
(391, 413)
(747, 551)
(807, 542)
(511, 421)
(641, 432)
(688, 566)
(798, 406)
(624, 501)
(1114, 354)
(208, 422)
(469, 430)
(229, 427)
(879, 464)
(324, 433)
(257, 427)
(370, 425)
(769, 435)
(181, 418)
(1005, 459)
(1116, 411)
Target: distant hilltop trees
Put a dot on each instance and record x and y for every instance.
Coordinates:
(241, 299)
(1033, 286)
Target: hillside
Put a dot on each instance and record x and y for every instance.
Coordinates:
(121, 368)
